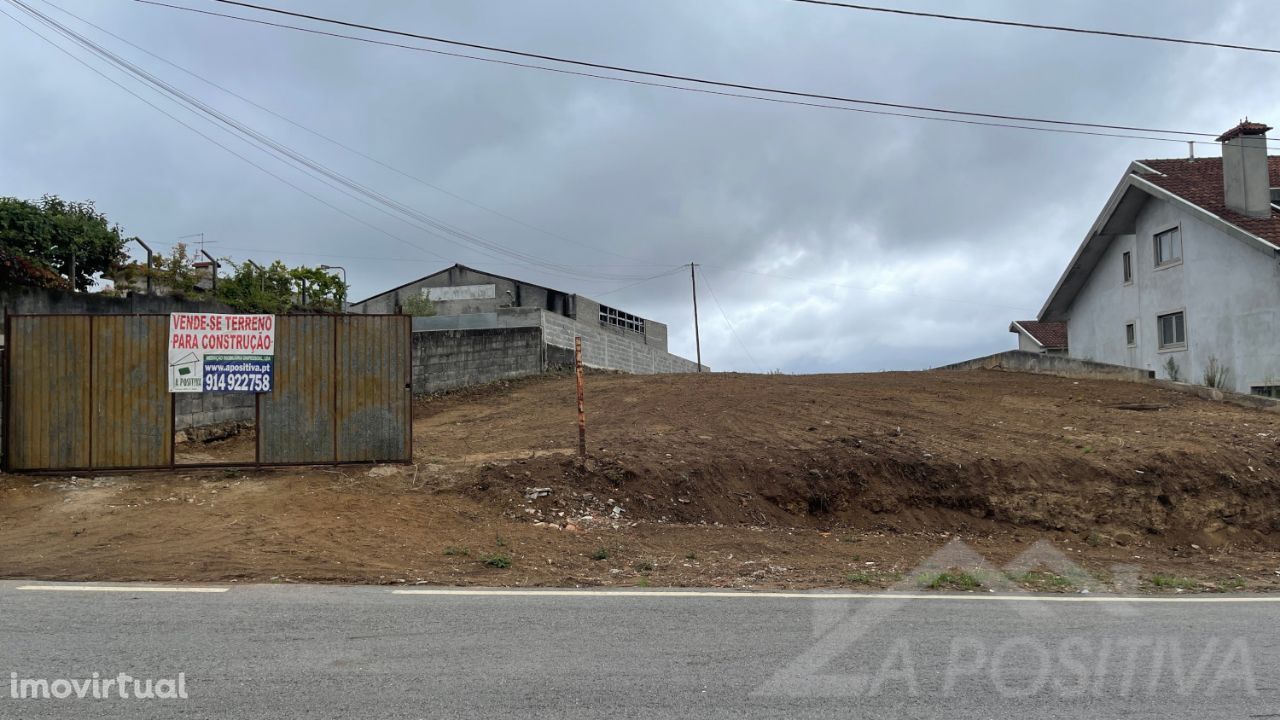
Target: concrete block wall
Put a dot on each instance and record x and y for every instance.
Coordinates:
(198, 409)
(448, 359)
(608, 349)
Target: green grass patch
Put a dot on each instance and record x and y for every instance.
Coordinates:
(457, 551)
(951, 580)
(600, 554)
(497, 560)
(643, 566)
(1170, 582)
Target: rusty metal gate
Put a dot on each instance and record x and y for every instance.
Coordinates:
(89, 392)
(343, 391)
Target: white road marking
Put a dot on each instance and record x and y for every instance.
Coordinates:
(838, 596)
(123, 588)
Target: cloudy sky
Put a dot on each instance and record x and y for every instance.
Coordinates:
(831, 240)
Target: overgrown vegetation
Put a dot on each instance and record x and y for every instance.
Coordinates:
(418, 306)
(1216, 375)
(56, 243)
(1172, 370)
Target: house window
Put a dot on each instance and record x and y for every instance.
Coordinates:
(1131, 334)
(1128, 266)
(1173, 330)
(1168, 247)
(1271, 391)
(617, 318)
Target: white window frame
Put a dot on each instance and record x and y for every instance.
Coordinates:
(1155, 248)
(1172, 347)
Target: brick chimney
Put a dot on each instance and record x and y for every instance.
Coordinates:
(1245, 178)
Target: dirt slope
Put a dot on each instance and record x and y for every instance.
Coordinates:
(705, 480)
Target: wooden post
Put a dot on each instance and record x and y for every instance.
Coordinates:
(582, 414)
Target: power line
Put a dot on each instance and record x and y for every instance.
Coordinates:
(169, 115)
(641, 282)
(338, 143)
(1037, 26)
(732, 331)
(1061, 125)
(324, 174)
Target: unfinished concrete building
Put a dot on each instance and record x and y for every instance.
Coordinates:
(473, 327)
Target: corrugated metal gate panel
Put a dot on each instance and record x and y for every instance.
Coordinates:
(374, 389)
(48, 392)
(131, 405)
(296, 419)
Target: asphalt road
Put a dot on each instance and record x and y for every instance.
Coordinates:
(361, 652)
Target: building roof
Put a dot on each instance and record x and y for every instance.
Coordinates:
(1195, 185)
(1050, 335)
(459, 266)
(1199, 182)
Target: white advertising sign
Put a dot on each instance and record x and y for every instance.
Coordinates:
(211, 352)
(461, 292)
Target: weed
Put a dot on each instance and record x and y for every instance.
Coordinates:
(498, 560)
(600, 554)
(643, 566)
(642, 582)
(1231, 583)
(1172, 370)
(1094, 539)
(500, 541)
(691, 556)
(457, 551)
(860, 578)
(1169, 581)
(1216, 375)
(951, 580)
(855, 558)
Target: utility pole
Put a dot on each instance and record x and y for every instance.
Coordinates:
(150, 264)
(697, 336)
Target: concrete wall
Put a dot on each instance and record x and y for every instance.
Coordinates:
(1229, 290)
(1034, 362)
(198, 409)
(32, 301)
(610, 349)
(1026, 344)
(448, 359)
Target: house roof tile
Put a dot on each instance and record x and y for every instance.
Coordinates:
(1199, 182)
(1052, 335)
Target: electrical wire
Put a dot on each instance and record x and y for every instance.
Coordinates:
(1037, 26)
(1060, 126)
(338, 143)
(326, 175)
(186, 125)
(732, 330)
(645, 280)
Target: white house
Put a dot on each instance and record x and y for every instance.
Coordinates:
(1180, 273)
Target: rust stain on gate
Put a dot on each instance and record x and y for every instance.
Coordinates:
(91, 392)
(47, 406)
(132, 415)
(295, 419)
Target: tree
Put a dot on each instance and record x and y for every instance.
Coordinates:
(255, 289)
(318, 289)
(176, 273)
(56, 235)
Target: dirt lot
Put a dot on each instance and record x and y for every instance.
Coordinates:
(715, 480)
